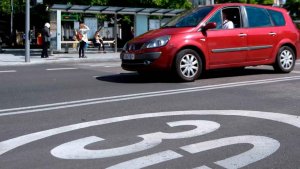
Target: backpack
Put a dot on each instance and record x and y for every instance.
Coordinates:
(79, 36)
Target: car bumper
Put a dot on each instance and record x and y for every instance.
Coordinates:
(139, 61)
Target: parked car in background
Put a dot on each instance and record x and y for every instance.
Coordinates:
(196, 41)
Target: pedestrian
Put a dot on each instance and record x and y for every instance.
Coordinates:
(99, 41)
(82, 38)
(45, 40)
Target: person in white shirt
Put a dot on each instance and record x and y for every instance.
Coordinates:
(227, 24)
(83, 40)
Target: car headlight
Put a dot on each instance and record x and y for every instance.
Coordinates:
(157, 42)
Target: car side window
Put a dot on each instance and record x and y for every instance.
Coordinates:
(232, 15)
(277, 18)
(216, 18)
(258, 17)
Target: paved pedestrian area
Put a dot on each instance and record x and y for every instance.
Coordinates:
(12, 57)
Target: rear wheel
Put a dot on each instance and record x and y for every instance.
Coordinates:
(285, 60)
(188, 65)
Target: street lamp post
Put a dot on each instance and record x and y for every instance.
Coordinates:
(116, 32)
(11, 18)
(27, 34)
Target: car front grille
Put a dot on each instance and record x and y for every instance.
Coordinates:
(134, 46)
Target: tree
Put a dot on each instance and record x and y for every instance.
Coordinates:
(293, 7)
(5, 6)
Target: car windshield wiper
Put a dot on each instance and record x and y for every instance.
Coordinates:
(169, 27)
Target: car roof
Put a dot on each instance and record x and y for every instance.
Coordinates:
(254, 5)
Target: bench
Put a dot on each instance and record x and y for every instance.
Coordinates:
(297, 23)
(65, 44)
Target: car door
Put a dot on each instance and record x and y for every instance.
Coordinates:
(262, 35)
(227, 47)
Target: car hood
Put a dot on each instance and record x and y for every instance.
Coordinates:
(160, 32)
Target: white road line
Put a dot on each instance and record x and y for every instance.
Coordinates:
(13, 143)
(97, 65)
(8, 71)
(295, 71)
(112, 66)
(76, 149)
(262, 148)
(147, 161)
(66, 68)
(78, 103)
(105, 65)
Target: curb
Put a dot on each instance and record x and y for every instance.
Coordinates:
(17, 59)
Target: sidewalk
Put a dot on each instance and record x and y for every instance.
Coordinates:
(13, 57)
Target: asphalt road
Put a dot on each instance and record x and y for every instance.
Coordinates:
(95, 115)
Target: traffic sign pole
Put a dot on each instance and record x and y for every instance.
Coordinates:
(27, 33)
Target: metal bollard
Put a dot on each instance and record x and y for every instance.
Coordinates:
(51, 52)
(66, 48)
(1, 51)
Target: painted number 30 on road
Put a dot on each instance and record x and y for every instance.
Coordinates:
(262, 146)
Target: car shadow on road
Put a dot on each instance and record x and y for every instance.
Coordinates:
(133, 77)
(235, 72)
(159, 77)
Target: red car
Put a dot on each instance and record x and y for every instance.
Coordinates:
(217, 36)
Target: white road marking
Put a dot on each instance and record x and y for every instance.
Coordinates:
(8, 71)
(262, 148)
(106, 65)
(13, 143)
(97, 65)
(295, 71)
(147, 160)
(203, 167)
(76, 149)
(78, 103)
(66, 68)
(111, 66)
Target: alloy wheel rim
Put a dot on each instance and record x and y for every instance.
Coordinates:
(189, 65)
(286, 59)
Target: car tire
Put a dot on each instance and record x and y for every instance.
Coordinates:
(188, 65)
(285, 60)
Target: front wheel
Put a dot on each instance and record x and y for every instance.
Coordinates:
(285, 60)
(188, 65)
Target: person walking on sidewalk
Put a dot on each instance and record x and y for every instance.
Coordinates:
(45, 40)
(82, 37)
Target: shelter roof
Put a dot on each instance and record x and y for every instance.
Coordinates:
(115, 10)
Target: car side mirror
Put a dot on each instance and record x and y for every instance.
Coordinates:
(210, 25)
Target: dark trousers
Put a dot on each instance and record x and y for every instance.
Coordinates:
(81, 48)
(101, 44)
(45, 50)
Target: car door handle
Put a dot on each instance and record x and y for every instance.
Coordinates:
(272, 34)
(242, 35)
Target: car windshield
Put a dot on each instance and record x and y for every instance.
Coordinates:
(190, 18)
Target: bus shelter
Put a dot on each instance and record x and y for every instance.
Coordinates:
(141, 16)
